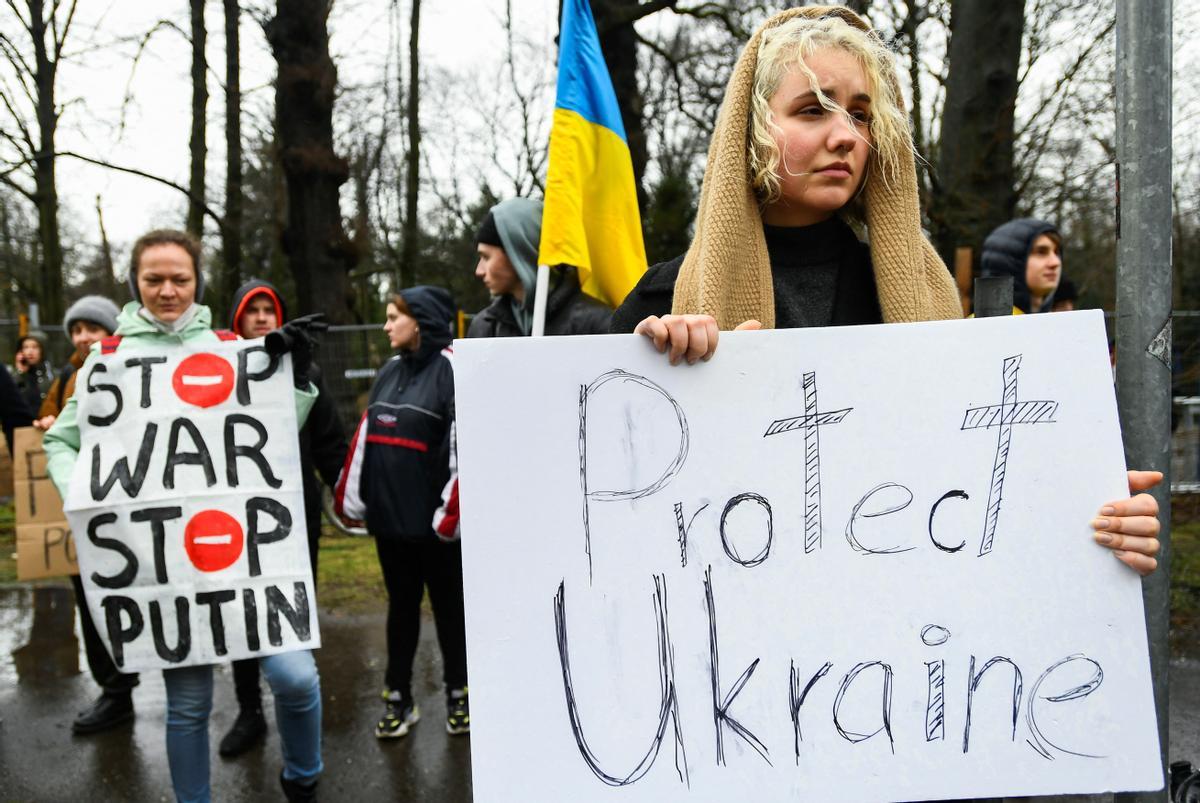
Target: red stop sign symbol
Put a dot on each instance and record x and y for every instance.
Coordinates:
(203, 380)
(213, 540)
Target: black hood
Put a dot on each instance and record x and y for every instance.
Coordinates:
(435, 311)
(247, 291)
(1006, 251)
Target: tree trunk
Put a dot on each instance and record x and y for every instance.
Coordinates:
(318, 251)
(975, 156)
(915, 14)
(231, 232)
(408, 258)
(618, 41)
(197, 145)
(53, 304)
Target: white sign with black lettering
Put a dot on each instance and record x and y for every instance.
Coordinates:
(188, 503)
(846, 564)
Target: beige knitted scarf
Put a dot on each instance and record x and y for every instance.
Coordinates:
(726, 272)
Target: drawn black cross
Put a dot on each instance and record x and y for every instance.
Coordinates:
(810, 422)
(1003, 416)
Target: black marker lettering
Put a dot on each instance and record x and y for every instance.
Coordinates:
(973, 684)
(124, 577)
(256, 537)
(120, 470)
(147, 364)
(118, 634)
(118, 402)
(668, 709)
(886, 700)
(200, 457)
(157, 516)
(721, 704)
(245, 376)
(216, 622)
(297, 614)
(233, 451)
(183, 629)
(585, 394)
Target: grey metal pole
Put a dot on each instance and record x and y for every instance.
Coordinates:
(1143, 133)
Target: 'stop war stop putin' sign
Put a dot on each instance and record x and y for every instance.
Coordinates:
(188, 505)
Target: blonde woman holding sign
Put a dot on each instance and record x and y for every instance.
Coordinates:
(166, 282)
(813, 140)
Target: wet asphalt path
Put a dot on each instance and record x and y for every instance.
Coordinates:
(42, 688)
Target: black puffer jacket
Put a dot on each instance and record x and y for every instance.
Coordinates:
(569, 311)
(400, 475)
(1006, 252)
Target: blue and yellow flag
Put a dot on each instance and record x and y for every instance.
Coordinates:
(591, 215)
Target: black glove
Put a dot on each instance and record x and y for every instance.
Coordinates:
(298, 337)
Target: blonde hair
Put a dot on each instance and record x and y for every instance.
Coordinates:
(785, 47)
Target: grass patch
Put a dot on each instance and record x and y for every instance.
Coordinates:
(349, 578)
(1185, 574)
(8, 544)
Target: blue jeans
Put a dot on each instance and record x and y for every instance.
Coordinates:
(296, 686)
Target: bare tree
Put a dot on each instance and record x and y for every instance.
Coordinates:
(30, 123)
(197, 144)
(975, 156)
(408, 259)
(318, 251)
(231, 232)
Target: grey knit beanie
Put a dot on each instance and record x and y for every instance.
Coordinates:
(94, 309)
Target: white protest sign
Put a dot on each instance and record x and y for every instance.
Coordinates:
(188, 505)
(846, 564)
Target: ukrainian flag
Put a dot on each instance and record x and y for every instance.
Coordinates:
(590, 218)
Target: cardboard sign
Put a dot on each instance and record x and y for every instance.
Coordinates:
(188, 499)
(846, 564)
(45, 547)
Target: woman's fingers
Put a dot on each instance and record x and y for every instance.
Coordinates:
(1143, 480)
(1130, 527)
(690, 337)
(1140, 505)
(653, 328)
(748, 326)
(1142, 564)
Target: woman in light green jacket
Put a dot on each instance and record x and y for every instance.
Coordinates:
(167, 284)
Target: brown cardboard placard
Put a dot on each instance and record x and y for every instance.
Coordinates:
(29, 461)
(37, 502)
(45, 549)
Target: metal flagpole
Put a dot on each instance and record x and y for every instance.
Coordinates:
(539, 300)
(1143, 134)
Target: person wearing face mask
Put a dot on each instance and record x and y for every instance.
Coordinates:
(167, 286)
(401, 477)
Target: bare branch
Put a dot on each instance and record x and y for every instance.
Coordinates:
(29, 194)
(59, 41)
(135, 172)
(28, 26)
